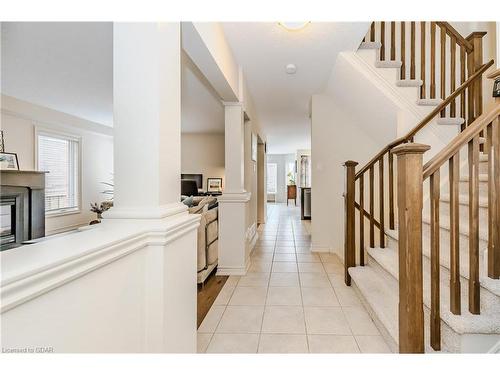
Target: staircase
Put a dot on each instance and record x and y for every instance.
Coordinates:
(437, 224)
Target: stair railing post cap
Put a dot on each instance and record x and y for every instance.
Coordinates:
(410, 148)
(350, 163)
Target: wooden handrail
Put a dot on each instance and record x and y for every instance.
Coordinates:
(427, 119)
(367, 214)
(494, 74)
(461, 140)
(450, 30)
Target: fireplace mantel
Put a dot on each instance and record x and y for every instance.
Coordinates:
(24, 192)
(29, 179)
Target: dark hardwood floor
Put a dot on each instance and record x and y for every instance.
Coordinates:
(208, 293)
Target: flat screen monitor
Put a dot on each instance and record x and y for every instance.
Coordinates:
(198, 177)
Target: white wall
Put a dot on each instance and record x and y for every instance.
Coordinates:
(19, 119)
(203, 153)
(336, 138)
(282, 160)
(250, 177)
(490, 48)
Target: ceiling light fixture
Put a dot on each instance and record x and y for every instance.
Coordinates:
(290, 69)
(294, 26)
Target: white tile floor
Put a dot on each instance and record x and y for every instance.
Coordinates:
(290, 301)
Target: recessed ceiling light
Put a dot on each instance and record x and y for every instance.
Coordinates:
(290, 69)
(294, 26)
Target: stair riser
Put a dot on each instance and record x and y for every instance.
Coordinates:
(389, 339)
(450, 340)
(483, 188)
(443, 241)
(483, 167)
(489, 301)
(444, 237)
(444, 209)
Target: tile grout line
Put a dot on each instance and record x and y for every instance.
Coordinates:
(267, 295)
(301, 295)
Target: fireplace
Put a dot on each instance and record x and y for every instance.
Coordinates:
(22, 207)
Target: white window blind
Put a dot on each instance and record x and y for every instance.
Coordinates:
(59, 155)
(272, 176)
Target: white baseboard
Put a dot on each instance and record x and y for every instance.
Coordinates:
(236, 271)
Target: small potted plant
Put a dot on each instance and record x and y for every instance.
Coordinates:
(103, 206)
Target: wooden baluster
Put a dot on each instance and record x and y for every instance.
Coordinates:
(422, 59)
(474, 225)
(453, 53)
(411, 312)
(433, 60)
(476, 39)
(403, 52)
(361, 221)
(454, 176)
(382, 41)
(462, 80)
(372, 32)
(381, 200)
(350, 220)
(435, 264)
(443, 68)
(393, 41)
(391, 191)
(493, 135)
(412, 50)
(470, 89)
(372, 204)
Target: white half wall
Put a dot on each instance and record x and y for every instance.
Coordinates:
(19, 119)
(203, 153)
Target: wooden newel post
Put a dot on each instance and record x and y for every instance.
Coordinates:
(476, 61)
(349, 209)
(411, 312)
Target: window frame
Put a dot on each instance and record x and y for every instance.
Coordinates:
(276, 178)
(42, 130)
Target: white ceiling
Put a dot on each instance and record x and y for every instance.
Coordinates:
(66, 66)
(263, 49)
(69, 67)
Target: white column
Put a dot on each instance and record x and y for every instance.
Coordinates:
(234, 148)
(233, 204)
(147, 119)
(147, 160)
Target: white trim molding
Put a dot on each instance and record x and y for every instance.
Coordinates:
(158, 212)
(24, 285)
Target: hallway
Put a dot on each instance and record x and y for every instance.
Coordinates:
(290, 301)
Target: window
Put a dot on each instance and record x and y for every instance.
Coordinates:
(290, 173)
(305, 171)
(60, 156)
(272, 177)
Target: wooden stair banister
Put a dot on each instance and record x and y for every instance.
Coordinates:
(461, 140)
(459, 61)
(426, 120)
(489, 123)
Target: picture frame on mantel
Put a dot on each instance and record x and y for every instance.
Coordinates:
(9, 161)
(214, 185)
